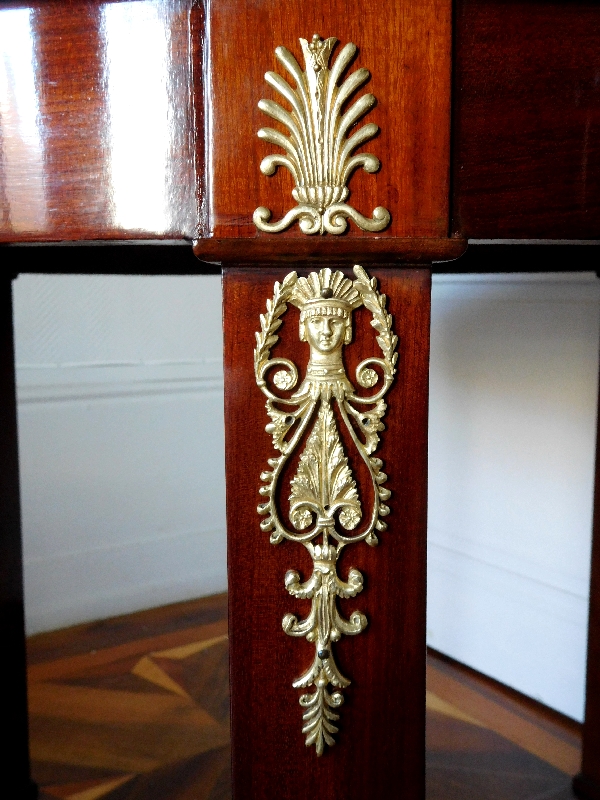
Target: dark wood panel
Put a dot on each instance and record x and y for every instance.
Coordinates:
(265, 249)
(526, 119)
(98, 135)
(12, 671)
(97, 258)
(543, 257)
(405, 46)
(178, 258)
(380, 748)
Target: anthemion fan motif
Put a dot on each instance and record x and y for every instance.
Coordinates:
(318, 150)
(327, 510)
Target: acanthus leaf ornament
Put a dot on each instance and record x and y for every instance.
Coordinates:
(318, 150)
(325, 507)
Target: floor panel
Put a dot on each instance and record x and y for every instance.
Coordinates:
(137, 708)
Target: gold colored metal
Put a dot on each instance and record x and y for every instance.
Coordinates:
(324, 502)
(318, 150)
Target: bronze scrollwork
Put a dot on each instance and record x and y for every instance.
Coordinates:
(325, 505)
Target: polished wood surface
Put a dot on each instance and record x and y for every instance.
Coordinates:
(169, 665)
(382, 720)
(526, 119)
(98, 128)
(102, 125)
(133, 708)
(405, 46)
(264, 250)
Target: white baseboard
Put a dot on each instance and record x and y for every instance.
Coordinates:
(527, 634)
(108, 581)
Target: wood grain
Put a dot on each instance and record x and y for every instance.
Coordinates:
(87, 723)
(129, 718)
(526, 153)
(541, 735)
(380, 749)
(60, 668)
(310, 249)
(526, 119)
(57, 179)
(406, 47)
(148, 625)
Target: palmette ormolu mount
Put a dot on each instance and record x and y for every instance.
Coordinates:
(318, 150)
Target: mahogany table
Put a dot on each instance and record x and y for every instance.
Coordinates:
(488, 127)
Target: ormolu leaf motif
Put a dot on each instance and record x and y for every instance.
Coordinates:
(323, 483)
(319, 717)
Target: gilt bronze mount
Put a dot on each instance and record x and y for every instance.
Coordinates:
(325, 507)
(318, 150)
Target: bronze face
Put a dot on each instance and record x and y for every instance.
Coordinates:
(325, 334)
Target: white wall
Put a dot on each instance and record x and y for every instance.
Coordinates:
(120, 395)
(121, 437)
(514, 366)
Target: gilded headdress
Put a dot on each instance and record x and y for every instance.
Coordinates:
(325, 294)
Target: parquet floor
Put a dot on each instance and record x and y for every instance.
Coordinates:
(136, 708)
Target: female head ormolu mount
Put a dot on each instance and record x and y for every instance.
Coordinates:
(324, 505)
(326, 300)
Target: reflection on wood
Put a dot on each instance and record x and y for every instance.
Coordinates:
(136, 708)
(97, 131)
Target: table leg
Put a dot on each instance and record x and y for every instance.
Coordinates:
(16, 745)
(380, 748)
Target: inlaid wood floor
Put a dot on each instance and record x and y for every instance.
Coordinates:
(136, 708)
